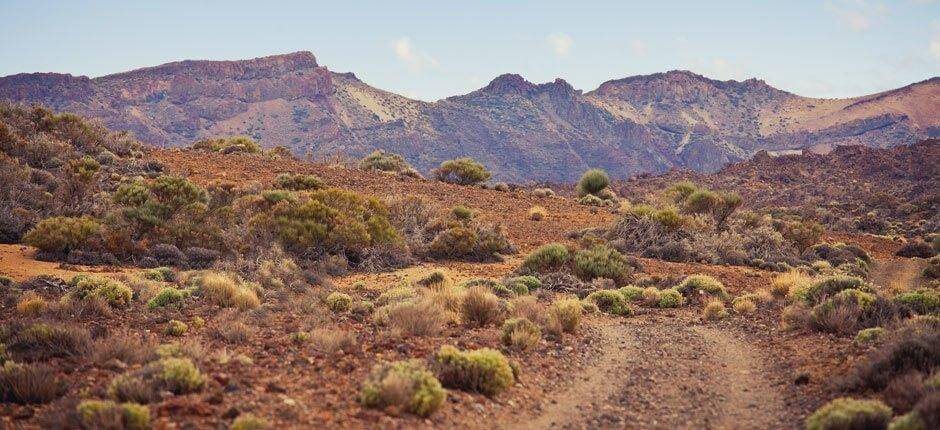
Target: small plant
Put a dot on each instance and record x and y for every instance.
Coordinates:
(167, 296)
(338, 302)
(546, 258)
(298, 182)
(601, 261)
(385, 161)
(223, 291)
(922, 301)
(670, 299)
(592, 182)
(520, 334)
(485, 370)
(159, 274)
(703, 283)
(116, 293)
(715, 310)
(566, 314)
(743, 305)
(462, 171)
(416, 318)
(28, 383)
(543, 192)
(462, 213)
(396, 294)
(42, 341)
(403, 385)
(480, 307)
(31, 304)
(784, 283)
(173, 374)
(330, 341)
(846, 414)
(870, 334)
(632, 293)
(537, 213)
(531, 282)
(829, 286)
(249, 421)
(94, 414)
(611, 302)
(60, 235)
(176, 328)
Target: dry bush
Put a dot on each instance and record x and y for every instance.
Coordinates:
(231, 327)
(904, 391)
(715, 310)
(402, 386)
(31, 304)
(480, 307)
(520, 334)
(911, 350)
(745, 306)
(529, 308)
(29, 383)
(222, 290)
(416, 318)
(797, 315)
(43, 341)
(784, 283)
(192, 349)
(485, 370)
(537, 213)
(330, 341)
(124, 345)
(565, 316)
(90, 307)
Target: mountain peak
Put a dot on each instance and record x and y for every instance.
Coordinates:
(235, 69)
(509, 83)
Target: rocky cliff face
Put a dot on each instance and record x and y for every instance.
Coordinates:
(519, 129)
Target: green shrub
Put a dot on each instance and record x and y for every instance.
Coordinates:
(229, 145)
(611, 302)
(715, 310)
(670, 299)
(566, 314)
(908, 421)
(546, 258)
(462, 213)
(455, 242)
(847, 414)
(831, 285)
(84, 168)
(407, 385)
(167, 296)
(705, 283)
(338, 302)
(923, 301)
(176, 328)
(222, 290)
(531, 282)
(486, 371)
(494, 286)
(248, 421)
(632, 293)
(601, 261)
(462, 171)
(94, 414)
(159, 274)
(480, 307)
(701, 201)
(384, 161)
(592, 182)
(520, 334)
(62, 234)
(396, 294)
(114, 292)
(298, 182)
(28, 383)
(870, 334)
(591, 200)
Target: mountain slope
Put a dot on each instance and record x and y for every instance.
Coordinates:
(518, 129)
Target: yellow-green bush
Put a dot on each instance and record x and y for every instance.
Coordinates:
(386, 162)
(546, 258)
(62, 234)
(592, 182)
(298, 182)
(95, 414)
(847, 413)
(485, 370)
(338, 302)
(566, 314)
(705, 283)
(601, 261)
(222, 290)
(116, 293)
(670, 299)
(407, 385)
(715, 310)
(462, 171)
(229, 145)
(249, 422)
(520, 334)
(176, 328)
(611, 302)
(167, 296)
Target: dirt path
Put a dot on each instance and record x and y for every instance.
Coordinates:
(19, 262)
(667, 371)
(897, 274)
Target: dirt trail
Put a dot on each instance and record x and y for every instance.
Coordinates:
(897, 274)
(666, 371)
(19, 262)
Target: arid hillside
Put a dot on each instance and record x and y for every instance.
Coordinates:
(521, 130)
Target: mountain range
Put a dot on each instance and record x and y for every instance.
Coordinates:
(518, 129)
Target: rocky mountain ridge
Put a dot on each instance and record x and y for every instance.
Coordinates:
(519, 129)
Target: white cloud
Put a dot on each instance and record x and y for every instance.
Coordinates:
(415, 60)
(560, 43)
(859, 15)
(934, 48)
(639, 48)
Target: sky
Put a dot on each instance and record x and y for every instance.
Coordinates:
(434, 49)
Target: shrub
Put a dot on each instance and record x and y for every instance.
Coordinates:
(543, 192)
(632, 293)
(159, 274)
(229, 145)
(221, 290)
(462, 171)
(501, 186)
(546, 258)
(42, 341)
(404, 385)
(704, 283)
(480, 307)
(338, 302)
(173, 374)
(591, 200)
(829, 286)
(785, 283)
(916, 248)
(124, 345)
(796, 315)
(520, 334)
(454, 242)
(715, 310)
(330, 341)
(847, 414)
(670, 299)
(286, 181)
(911, 350)
(601, 261)
(869, 334)
(922, 301)
(167, 296)
(484, 370)
(743, 305)
(248, 421)
(462, 213)
(494, 286)
(843, 312)
(200, 258)
(531, 282)
(416, 318)
(566, 314)
(592, 182)
(116, 293)
(384, 161)
(611, 302)
(28, 384)
(176, 328)
(31, 304)
(537, 213)
(96, 414)
(396, 294)
(60, 235)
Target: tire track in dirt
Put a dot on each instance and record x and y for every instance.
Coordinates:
(667, 371)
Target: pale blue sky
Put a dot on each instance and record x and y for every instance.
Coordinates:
(434, 49)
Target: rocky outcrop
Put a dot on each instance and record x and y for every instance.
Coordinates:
(519, 129)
